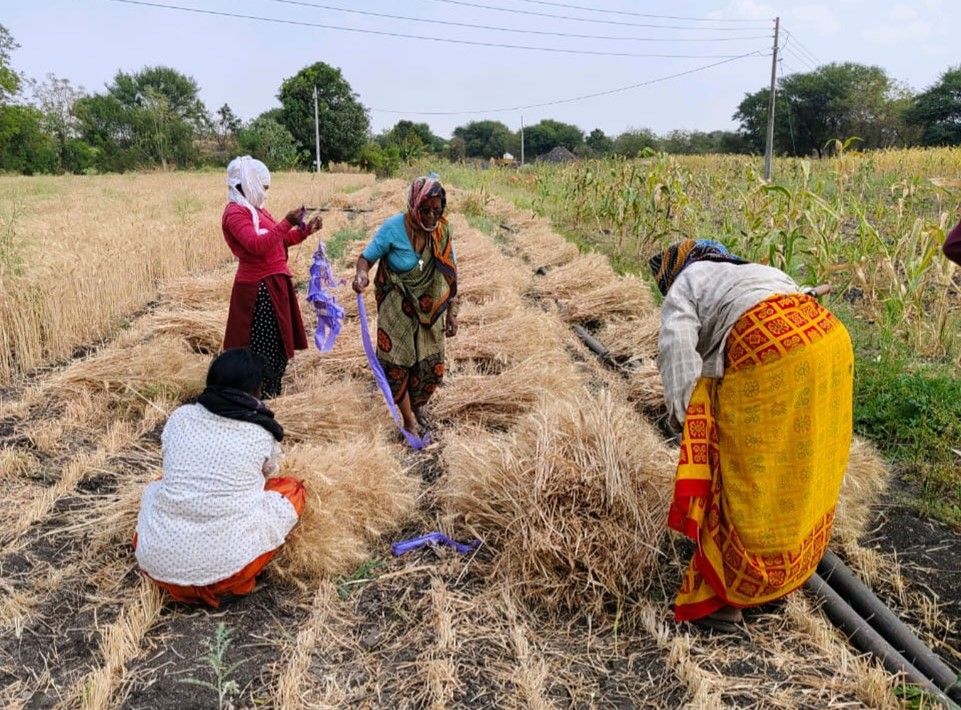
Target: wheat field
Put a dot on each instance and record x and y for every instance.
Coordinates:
(80, 255)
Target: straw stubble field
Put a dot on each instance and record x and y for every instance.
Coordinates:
(549, 458)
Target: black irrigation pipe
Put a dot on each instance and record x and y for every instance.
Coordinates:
(864, 638)
(869, 625)
(879, 616)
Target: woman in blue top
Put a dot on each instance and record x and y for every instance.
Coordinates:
(415, 284)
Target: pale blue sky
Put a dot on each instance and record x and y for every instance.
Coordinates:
(242, 62)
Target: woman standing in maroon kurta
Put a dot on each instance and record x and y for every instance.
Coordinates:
(264, 314)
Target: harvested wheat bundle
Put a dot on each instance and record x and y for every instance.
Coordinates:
(327, 410)
(631, 337)
(483, 272)
(645, 389)
(866, 479)
(573, 501)
(203, 330)
(582, 274)
(498, 400)
(545, 249)
(622, 297)
(159, 369)
(356, 492)
(501, 331)
(200, 292)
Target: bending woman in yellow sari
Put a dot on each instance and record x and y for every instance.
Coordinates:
(758, 379)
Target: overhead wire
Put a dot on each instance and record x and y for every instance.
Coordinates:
(801, 48)
(634, 14)
(583, 97)
(518, 30)
(801, 59)
(621, 23)
(402, 35)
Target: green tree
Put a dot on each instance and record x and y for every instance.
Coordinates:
(267, 140)
(343, 119)
(547, 134)
(681, 142)
(485, 139)
(109, 127)
(152, 116)
(24, 146)
(834, 101)
(9, 79)
(634, 141)
(599, 143)
(380, 160)
(456, 149)
(412, 140)
(180, 93)
(936, 112)
(226, 126)
(55, 99)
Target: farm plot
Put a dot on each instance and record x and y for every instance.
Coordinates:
(543, 454)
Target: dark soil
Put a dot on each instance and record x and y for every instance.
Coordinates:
(929, 553)
(175, 649)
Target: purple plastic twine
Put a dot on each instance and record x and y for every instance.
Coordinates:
(415, 441)
(433, 538)
(330, 314)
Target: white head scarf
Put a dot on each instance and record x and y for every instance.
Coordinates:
(254, 178)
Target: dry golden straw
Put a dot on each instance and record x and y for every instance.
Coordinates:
(356, 492)
(573, 502)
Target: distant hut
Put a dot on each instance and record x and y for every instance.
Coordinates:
(558, 154)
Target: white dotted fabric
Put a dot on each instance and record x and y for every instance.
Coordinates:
(210, 516)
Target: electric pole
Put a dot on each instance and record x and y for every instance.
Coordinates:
(769, 143)
(317, 129)
(522, 139)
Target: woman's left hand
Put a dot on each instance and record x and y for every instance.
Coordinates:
(313, 225)
(451, 328)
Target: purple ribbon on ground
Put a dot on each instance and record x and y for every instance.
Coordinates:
(434, 538)
(330, 314)
(415, 441)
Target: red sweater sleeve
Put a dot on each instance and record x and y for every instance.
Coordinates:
(294, 236)
(952, 245)
(241, 226)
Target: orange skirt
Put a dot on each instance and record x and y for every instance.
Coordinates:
(242, 582)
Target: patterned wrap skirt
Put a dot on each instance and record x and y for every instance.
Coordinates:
(763, 454)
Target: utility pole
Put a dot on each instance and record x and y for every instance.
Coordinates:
(769, 144)
(522, 139)
(317, 128)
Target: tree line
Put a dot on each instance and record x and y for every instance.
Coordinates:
(154, 118)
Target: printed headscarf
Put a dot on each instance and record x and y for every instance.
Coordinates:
(422, 189)
(253, 177)
(669, 263)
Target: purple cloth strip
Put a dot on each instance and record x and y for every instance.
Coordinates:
(434, 538)
(415, 441)
(330, 314)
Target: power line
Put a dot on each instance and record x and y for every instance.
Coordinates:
(813, 57)
(401, 35)
(622, 23)
(369, 13)
(583, 97)
(633, 14)
(801, 59)
(790, 111)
